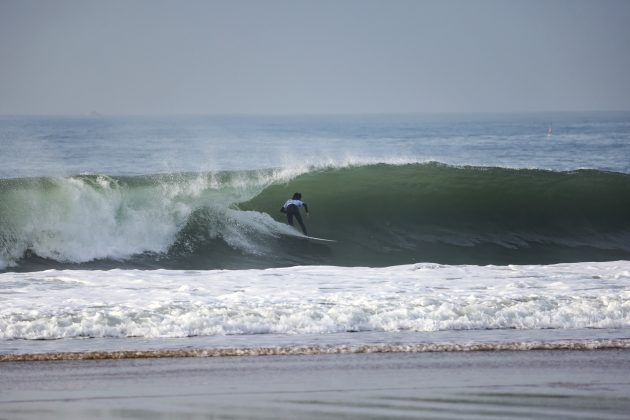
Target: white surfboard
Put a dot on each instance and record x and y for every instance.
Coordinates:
(319, 239)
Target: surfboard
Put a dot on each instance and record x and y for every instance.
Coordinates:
(319, 239)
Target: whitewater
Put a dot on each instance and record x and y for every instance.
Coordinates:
(162, 236)
(316, 300)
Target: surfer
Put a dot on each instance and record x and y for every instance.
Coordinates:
(292, 209)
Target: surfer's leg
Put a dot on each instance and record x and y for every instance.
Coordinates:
(298, 216)
(290, 218)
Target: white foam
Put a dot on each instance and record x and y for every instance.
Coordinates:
(313, 300)
(85, 218)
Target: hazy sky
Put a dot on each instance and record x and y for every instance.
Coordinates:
(340, 56)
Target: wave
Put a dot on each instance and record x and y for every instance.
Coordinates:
(380, 215)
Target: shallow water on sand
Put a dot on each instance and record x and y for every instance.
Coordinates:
(588, 384)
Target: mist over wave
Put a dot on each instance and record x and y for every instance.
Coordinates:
(380, 214)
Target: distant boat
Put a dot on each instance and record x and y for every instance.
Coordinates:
(549, 132)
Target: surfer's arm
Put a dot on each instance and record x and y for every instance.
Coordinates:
(305, 207)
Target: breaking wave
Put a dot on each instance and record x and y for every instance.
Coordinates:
(379, 214)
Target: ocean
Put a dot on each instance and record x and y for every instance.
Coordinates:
(162, 236)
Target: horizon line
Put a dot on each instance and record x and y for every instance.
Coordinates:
(97, 114)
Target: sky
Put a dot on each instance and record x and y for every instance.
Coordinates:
(157, 57)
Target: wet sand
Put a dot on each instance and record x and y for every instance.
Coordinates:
(509, 384)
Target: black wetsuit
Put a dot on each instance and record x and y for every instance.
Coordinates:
(293, 210)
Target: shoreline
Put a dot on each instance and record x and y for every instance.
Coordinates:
(316, 350)
(508, 384)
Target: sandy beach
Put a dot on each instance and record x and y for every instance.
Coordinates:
(510, 384)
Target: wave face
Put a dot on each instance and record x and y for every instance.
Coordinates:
(379, 214)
